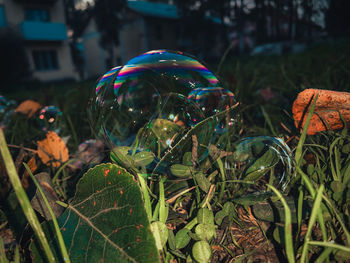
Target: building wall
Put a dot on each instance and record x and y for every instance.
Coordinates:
(162, 33)
(133, 39)
(95, 56)
(15, 15)
(65, 66)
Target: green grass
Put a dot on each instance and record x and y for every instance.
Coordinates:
(320, 183)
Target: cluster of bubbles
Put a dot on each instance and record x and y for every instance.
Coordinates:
(47, 119)
(160, 101)
(6, 109)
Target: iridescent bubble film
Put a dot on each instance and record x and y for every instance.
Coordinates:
(212, 100)
(49, 118)
(262, 159)
(106, 80)
(174, 65)
(139, 90)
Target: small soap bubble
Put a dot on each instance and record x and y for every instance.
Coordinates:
(262, 159)
(49, 118)
(6, 104)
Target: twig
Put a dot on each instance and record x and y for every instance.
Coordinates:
(194, 157)
(24, 148)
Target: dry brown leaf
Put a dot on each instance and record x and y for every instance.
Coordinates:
(52, 150)
(38, 203)
(28, 107)
(25, 178)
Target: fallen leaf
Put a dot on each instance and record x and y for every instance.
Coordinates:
(28, 107)
(52, 150)
(25, 178)
(37, 202)
(89, 152)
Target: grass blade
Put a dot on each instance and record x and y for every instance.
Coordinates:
(23, 198)
(287, 226)
(163, 213)
(299, 150)
(329, 244)
(61, 243)
(312, 221)
(146, 197)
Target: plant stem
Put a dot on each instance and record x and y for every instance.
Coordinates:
(23, 198)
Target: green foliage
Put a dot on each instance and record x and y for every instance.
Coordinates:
(106, 219)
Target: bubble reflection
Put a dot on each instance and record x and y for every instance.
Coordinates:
(262, 158)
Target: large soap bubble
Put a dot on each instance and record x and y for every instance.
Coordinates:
(127, 97)
(262, 159)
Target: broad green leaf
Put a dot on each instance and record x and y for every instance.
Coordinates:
(261, 166)
(274, 211)
(205, 231)
(106, 220)
(180, 170)
(201, 251)
(182, 238)
(252, 199)
(205, 216)
(144, 158)
(202, 181)
(187, 158)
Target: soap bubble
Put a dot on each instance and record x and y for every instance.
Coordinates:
(127, 97)
(49, 118)
(6, 104)
(262, 159)
(175, 118)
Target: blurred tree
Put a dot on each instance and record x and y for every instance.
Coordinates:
(200, 23)
(76, 20)
(337, 18)
(107, 14)
(14, 65)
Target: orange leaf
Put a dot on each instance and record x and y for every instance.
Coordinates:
(28, 107)
(329, 106)
(32, 166)
(52, 150)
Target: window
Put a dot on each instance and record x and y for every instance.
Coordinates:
(45, 60)
(36, 14)
(2, 17)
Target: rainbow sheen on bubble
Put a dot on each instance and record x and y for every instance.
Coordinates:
(107, 78)
(262, 159)
(185, 69)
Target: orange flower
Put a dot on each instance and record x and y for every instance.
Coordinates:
(52, 150)
(28, 107)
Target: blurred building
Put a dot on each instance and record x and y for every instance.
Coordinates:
(41, 23)
(145, 26)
